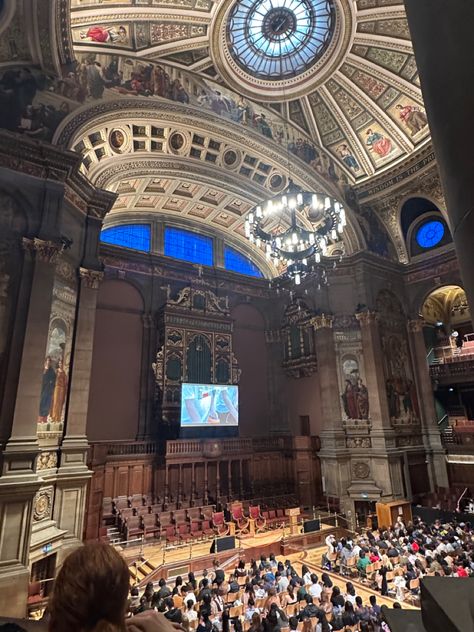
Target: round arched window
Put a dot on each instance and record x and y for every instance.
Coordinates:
(430, 234)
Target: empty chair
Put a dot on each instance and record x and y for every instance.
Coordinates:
(142, 511)
(108, 511)
(207, 512)
(195, 529)
(150, 525)
(121, 502)
(219, 523)
(136, 500)
(183, 532)
(194, 514)
(169, 533)
(207, 528)
(256, 515)
(241, 521)
(133, 527)
(179, 516)
(166, 518)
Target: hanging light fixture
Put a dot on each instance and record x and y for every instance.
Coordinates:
(302, 249)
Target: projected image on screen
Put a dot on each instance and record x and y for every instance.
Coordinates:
(209, 405)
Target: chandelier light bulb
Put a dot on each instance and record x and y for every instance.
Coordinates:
(340, 228)
(251, 218)
(258, 211)
(258, 242)
(317, 257)
(284, 200)
(297, 278)
(292, 203)
(314, 201)
(278, 242)
(333, 234)
(305, 262)
(299, 198)
(269, 207)
(327, 203)
(311, 239)
(294, 238)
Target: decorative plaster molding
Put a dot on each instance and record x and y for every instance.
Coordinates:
(91, 278)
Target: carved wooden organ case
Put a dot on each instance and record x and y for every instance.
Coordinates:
(195, 345)
(299, 357)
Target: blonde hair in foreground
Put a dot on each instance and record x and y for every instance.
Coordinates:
(90, 591)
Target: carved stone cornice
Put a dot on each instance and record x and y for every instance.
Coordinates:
(91, 278)
(367, 318)
(322, 321)
(45, 251)
(416, 325)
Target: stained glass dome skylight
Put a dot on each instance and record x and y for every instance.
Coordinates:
(279, 38)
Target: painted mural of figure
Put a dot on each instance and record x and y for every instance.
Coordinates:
(47, 390)
(95, 79)
(102, 34)
(413, 117)
(362, 400)
(349, 400)
(59, 395)
(393, 401)
(347, 157)
(378, 143)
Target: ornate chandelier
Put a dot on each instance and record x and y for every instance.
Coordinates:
(300, 248)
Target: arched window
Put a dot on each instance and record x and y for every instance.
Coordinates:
(189, 246)
(430, 233)
(237, 262)
(135, 236)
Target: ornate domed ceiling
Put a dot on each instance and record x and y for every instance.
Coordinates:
(342, 73)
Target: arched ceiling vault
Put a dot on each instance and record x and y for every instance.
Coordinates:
(189, 171)
(363, 105)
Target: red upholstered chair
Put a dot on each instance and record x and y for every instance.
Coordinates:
(219, 523)
(207, 528)
(35, 593)
(183, 532)
(170, 533)
(282, 518)
(196, 531)
(255, 514)
(241, 521)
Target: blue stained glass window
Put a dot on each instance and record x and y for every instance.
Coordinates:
(136, 236)
(430, 234)
(237, 262)
(279, 38)
(188, 246)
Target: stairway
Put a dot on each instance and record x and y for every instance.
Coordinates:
(140, 570)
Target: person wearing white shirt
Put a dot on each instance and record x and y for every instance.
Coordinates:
(306, 573)
(190, 614)
(189, 596)
(282, 583)
(315, 589)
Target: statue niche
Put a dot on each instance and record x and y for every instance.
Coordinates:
(195, 346)
(299, 354)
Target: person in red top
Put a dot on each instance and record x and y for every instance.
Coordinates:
(414, 547)
(461, 572)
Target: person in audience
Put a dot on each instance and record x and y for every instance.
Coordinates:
(173, 614)
(217, 605)
(163, 590)
(362, 563)
(190, 615)
(205, 624)
(177, 586)
(178, 598)
(188, 594)
(204, 589)
(219, 575)
(325, 604)
(233, 584)
(362, 612)
(256, 624)
(192, 581)
(337, 600)
(288, 598)
(282, 581)
(250, 610)
(306, 575)
(260, 592)
(149, 592)
(375, 613)
(205, 578)
(301, 592)
(134, 601)
(315, 589)
(326, 585)
(205, 609)
(90, 594)
(310, 610)
(240, 570)
(349, 616)
(293, 623)
(275, 619)
(350, 593)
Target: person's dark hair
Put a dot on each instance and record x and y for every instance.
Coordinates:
(396, 605)
(314, 578)
(241, 564)
(11, 627)
(373, 600)
(189, 604)
(326, 580)
(304, 570)
(364, 626)
(308, 598)
(350, 589)
(169, 603)
(134, 592)
(90, 591)
(250, 602)
(348, 607)
(358, 601)
(336, 591)
(293, 621)
(178, 581)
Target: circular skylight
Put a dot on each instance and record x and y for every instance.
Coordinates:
(273, 39)
(430, 234)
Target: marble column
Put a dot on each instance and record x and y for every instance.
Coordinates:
(386, 468)
(19, 483)
(435, 453)
(333, 454)
(73, 474)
